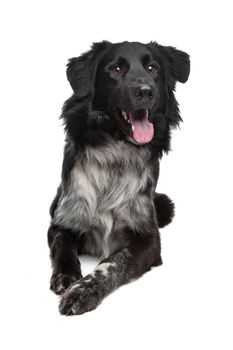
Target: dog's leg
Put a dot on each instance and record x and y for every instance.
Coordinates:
(114, 271)
(64, 257)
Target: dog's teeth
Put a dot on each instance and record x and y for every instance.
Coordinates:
(132, 128)
(147, 113)
(124, 115)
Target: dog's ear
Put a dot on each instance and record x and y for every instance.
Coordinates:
(79, 74)
(176, 63)
(179, 63)
(81, 70)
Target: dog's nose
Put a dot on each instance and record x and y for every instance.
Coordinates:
(143, 92)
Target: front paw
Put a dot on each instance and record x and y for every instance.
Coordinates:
(82, 297)
(60, 282)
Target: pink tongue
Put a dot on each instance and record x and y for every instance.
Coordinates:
(143, 130)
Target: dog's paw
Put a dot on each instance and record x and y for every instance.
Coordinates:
(82, 297)
(60, 282)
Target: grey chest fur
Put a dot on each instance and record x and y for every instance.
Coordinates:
(106, 193)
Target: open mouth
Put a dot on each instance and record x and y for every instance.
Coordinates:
(142, 128)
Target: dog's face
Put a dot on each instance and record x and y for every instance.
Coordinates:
(129, 82)
(130, 78)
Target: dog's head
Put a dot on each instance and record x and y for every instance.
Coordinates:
(132, 84)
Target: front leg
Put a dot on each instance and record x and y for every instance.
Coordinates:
(114, 271)
(64, 257)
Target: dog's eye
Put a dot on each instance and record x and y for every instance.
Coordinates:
(151, 68)
(116, 70)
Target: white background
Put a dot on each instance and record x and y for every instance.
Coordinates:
(187, 302)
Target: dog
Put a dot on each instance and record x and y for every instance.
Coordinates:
(118, 124)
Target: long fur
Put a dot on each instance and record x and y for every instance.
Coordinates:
(106, 204)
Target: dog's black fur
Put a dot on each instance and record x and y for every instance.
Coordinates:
(118, 124)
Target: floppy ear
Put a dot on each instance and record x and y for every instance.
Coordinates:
(176, 63)
(179, 63)
(79, 74)
(81, 70)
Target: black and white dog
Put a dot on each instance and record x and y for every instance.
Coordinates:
(118, 124)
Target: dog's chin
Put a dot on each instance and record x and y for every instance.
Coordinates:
(136, 125)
